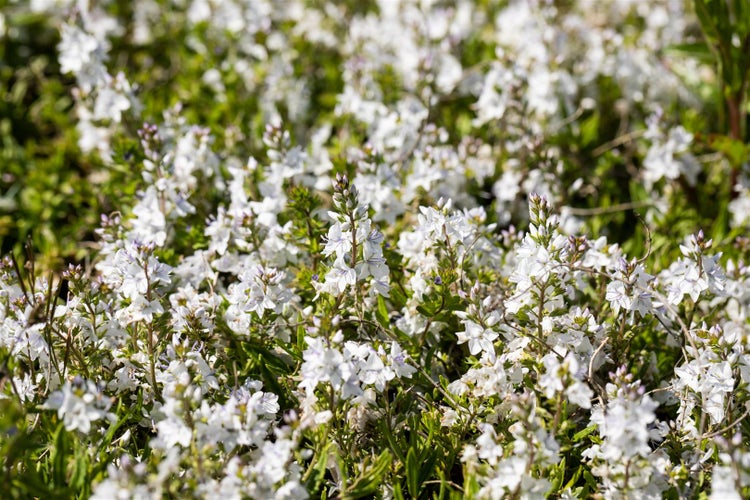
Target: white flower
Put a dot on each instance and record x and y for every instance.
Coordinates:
(723, 485)
(139, 309)
(83, 55)
(487, 446)
(77, 49)
(259, 290)
(372, 370)
(150, 223)
(398, 361)
(480, 338)
(670, 158)
(373, 242)
(321, 364)
(380, 280)
(25, 386)
(580, 394)
(684, 278)
(110, 104)
(618, 296)
(272, 464)
(629, 289)
(338, 278)
(624, 424)
(494, 100)
(564, 377)
(79, 404)
(173, 430)
(338, 241)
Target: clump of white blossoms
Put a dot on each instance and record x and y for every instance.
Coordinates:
(350, 368)
(540, 274)
(629, 289)
(356, 245)
(259, 290)
(80, 404)
(696, 273)
(669, 155)
(101, 99)
(139, 279)
(505, 465)
(625, 460)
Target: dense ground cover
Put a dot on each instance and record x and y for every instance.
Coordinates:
(374, 249)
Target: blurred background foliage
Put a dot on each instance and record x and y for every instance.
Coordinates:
(52, 195)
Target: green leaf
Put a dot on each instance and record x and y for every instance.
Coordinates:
(320, 469)
(79, 476)
(398, 298)
(424, 311)
(33, 485)
(574, 479)
(590, 129)
(707, 23)
(271, 383)
(371, 477)
(106, 440)
(427, 464)
(591, 481)
(698, 50)
(397, 493)
(300, 341)
(557, 476)
(381, 313)
(736, 151)
(412, 473)
(578, 436)
(394, 445)
(59, 455)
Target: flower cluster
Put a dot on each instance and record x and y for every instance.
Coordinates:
(384, 249)
(101, 99)
(357, 245)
